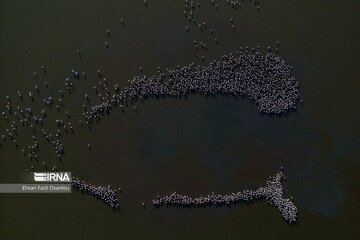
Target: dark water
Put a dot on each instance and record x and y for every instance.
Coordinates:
(193, 146)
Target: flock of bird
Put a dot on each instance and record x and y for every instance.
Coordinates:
(105, 194)
(273, 193)
(262, 77)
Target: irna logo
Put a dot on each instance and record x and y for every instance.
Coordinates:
(52, 176)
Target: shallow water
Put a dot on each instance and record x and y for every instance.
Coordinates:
(196, 145)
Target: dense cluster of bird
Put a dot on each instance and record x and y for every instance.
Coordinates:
(265, 79)
(273, 193)
(105, 194)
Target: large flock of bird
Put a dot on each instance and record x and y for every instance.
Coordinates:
(261, 76)
(273, 193)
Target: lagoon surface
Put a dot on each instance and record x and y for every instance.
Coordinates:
(196, 145)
